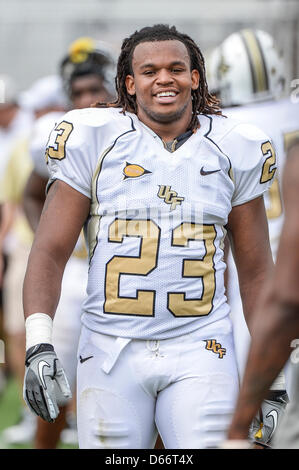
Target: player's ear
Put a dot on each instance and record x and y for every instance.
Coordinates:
(130, 84)
(194, 79)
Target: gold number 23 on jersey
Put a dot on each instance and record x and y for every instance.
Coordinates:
(149, 233)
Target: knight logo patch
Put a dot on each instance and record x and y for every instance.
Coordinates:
(212, 345)
(132, 170)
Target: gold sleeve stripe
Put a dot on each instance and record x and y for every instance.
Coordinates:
(94, 223)
(257, 62)
(97, 171)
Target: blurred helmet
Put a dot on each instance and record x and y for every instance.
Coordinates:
(246, 68)
(87, 56)
(44, 93)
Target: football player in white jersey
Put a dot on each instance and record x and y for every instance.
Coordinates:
(247, 72)
(158, 178)
(15, 122)
(86, 73)
(44, 95)
(279, 328)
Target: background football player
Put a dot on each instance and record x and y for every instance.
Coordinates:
(15, 123)
(275, 323)
(247, 73)
(44, 95)
(86, 73)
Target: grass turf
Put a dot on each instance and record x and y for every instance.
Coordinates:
(10, 411)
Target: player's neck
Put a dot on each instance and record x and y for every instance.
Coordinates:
(167, 131)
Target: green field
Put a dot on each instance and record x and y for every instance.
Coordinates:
(10, 409)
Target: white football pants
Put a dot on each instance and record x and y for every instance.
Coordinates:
(129, 389)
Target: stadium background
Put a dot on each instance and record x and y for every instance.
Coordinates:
(35, 35)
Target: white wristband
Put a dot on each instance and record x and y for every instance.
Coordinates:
(279, 382)
(38, 329)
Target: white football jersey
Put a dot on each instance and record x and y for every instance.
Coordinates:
(280, 120)
(38, 144)
(39, 138)
(156, 225)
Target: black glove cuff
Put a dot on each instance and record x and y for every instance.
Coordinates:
(277, 395)
(37, 349)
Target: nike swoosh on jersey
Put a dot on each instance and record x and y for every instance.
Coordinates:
(205, 173)
(41, 366)
(274, 416)
(83, 359)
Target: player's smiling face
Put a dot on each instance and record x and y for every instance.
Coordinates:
(162, 81)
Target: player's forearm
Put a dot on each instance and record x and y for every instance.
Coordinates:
(64, 213)
(249, 238)
(272, 334)
(42, 283)
(252, 289)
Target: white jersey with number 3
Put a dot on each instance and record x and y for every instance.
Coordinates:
(156, 225)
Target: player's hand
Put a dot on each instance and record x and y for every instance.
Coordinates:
(45, 383)
(265, 423)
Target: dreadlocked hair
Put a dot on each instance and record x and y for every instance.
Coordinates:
(202, 101)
